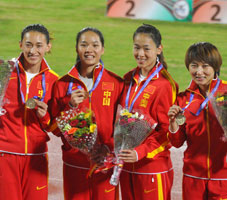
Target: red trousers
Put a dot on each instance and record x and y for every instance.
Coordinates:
(78, 187)
(23, 177)
(199, 189)
(146, 186)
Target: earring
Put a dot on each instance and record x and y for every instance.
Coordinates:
(157, 59)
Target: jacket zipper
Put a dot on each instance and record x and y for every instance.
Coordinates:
(208, 137)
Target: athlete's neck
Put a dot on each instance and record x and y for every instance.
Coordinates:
(31, 68)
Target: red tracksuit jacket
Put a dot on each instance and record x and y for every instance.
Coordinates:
(206, 153)
(155, 100)
(104, 101)
(20, 128)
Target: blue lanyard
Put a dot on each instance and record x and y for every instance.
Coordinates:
(35, 97)
(141, 90)
(190, 100)
(69, 91)
(206, 100)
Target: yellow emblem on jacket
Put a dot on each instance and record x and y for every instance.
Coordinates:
(106, 98)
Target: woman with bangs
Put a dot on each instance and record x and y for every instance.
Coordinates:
(192, 120)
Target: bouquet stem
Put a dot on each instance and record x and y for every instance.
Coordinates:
(114, 180)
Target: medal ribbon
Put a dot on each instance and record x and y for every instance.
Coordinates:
(190, 100)
(43, 86)
(141, 90)
(205, 101)
(94, 86)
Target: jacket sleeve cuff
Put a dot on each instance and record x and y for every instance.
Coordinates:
(173, 132)
(140, 151)
(45, 120)
(53, 127)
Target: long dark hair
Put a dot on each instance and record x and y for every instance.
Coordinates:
(155, 35)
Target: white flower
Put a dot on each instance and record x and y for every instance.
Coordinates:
(141, 117)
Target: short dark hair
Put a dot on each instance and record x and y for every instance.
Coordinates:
(204, 52)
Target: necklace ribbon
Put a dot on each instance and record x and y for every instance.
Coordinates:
(202, 106)
(94, 86)
(20, 84)
(141, 90)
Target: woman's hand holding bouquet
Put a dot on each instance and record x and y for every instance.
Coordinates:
(131, 129)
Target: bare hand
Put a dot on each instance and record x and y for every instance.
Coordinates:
(173, 112)
(78, 96)
(41, 108)
(128, 155)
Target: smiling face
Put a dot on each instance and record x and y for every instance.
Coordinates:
(145, 52)
(89, 49)
(34, 46)
(202, 74)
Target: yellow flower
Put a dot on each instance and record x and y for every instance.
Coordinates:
(219, 99)
(87, 115)
(92, 128)
(128, 114)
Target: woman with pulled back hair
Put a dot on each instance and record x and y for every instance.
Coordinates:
(88, 84)
(23, 148)
(149, 88)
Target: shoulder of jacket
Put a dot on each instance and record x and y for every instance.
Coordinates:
(224, 82)
(112, 74)
(128, 75)
(53, 73)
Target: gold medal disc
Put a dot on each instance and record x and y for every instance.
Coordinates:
(30, 103)
(180, 119)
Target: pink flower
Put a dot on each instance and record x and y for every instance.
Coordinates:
(131, 120)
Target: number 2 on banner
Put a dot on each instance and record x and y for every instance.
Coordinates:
(121, 8)
(129, 12)
(210, 11)
(215, 16)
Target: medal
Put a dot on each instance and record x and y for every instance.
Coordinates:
(30, 103)
(180, 119)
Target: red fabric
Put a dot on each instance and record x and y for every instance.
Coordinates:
(195, 188)
(147, 186)
(78, 187)
(104, 101)
(206, 153)
(20, 129)
(23, 177)
(154, 101)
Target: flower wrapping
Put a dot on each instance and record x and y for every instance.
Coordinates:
(219, 104)
(5, 72)
(131, 129)
(79, 128)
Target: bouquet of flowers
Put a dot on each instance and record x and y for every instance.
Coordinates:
(219, 103)
(79, 129)
(5, 72)
(131, 129)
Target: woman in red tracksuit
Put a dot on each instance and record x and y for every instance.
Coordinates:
(147, 172)
(205, 159)
(23, 149)
(105, 88)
